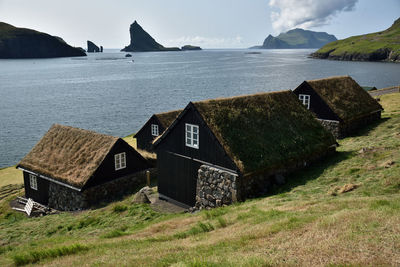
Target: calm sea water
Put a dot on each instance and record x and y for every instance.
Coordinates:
(109, 93)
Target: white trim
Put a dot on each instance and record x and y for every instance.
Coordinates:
(33, 181)
(305, 99)
(154, 130)
(50, 179)
(120, 161)
(192, 135)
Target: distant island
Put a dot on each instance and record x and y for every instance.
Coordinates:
(380, 46)
(26, 43)
(93, 48)
(190, 47)
(141, 41)
(295, 39)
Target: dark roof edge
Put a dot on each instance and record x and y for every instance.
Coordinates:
(145, 124)
(166, 132)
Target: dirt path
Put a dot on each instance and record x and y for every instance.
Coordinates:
(384, 91)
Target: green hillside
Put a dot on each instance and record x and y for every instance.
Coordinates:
(297, 38)
(380, 46)
(341, 212)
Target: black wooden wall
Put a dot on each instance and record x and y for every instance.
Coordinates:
(40, 195)
(178, 164)
(317, 105)
(144, 138)
(106, 171)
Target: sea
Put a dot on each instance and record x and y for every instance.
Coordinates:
(113, 94)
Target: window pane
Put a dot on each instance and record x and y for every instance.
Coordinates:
(195, 129)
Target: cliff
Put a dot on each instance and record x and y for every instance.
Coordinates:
(26, 43)
(379, 46)
(297, 38)
(92, 48)
(141, 41)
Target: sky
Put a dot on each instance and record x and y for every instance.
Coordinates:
(207, 23)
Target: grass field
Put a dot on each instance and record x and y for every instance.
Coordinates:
(311, 221)
(10, 175)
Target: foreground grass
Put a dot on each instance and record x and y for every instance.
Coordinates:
(307, 222)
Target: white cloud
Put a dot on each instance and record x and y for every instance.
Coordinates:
(306, 14)
(205, 42)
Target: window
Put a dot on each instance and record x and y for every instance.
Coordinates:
(33, 181)
(192, 135)
(154, 130)
(305, 99)
(120, 161)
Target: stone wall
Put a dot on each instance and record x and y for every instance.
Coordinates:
(332, 126)
(353, 126)
(64, 198)
(215, 187)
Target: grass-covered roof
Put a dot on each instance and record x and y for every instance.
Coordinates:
(345, 97)
(68, 154)
(167, 118)
(265, 131)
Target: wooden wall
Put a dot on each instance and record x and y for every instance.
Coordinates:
(178, 164)
(317, 105)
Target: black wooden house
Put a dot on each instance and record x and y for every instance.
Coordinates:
(73, 169)
(340, 103)
(253, 136)
(154, 127)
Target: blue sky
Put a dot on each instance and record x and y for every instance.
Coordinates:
(208, 23)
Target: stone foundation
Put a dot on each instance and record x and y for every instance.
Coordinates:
(331, 126)
(215, 187)
(355, 125)
(341, 130)
(64, 198)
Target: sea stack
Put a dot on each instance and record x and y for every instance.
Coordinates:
(141, 41)
(26, 43)
(92, 48)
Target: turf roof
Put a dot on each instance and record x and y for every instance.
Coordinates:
(68, 154)
(167, 118)
(345, 97)
(265, 131)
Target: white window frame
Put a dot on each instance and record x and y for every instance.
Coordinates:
(33, 181)
(192, 135)
(154, 130)
(120, 161)
(305, 99)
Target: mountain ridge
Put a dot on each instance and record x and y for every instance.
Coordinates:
(297, 39)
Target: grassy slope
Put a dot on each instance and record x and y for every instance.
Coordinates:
(10, 175)
(303, 223)
(365, 44)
